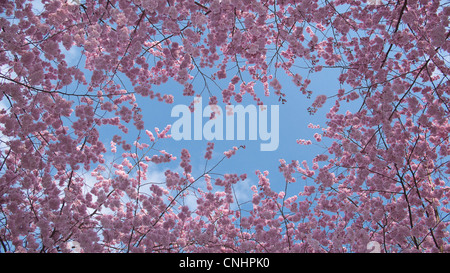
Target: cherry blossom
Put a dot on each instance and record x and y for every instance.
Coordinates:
(382, 178)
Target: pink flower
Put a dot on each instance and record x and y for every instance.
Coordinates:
(150, 135)
(318, 137)
(163, 134)
(319, 101)
(304, 142)
(185, 159)
(297, 79)
(209, 150)
(231, 152)
(113, 147)
(275, 84)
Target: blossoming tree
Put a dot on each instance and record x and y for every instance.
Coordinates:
(383, 180)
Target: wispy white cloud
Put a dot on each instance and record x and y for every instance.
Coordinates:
(242, 192)
(72, 55)
(155, 175)
(38, 7)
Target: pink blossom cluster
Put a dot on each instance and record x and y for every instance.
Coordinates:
(232, 152)
(319, 101)
(185, 159)
(163, 133)
(165, 157)
(304, 141)
(209, 150)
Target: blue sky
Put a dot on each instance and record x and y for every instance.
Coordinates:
(293, 124)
